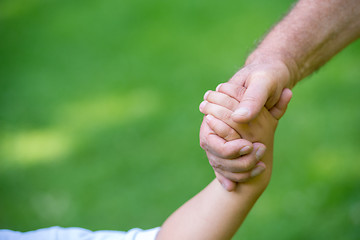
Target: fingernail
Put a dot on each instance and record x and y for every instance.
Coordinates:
(242, 112)
(257, 170)
(202, 105)
(244, 150)
(208, 118)
(217, 88)
(206, 94)
(260, 153)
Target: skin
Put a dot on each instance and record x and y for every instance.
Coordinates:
(232, 166)
(309, 36)
(214, 213)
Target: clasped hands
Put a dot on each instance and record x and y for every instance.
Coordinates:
(239, 152)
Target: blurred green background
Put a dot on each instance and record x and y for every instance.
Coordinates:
(99, 117)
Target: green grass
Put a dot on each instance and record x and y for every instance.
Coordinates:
(99, 118)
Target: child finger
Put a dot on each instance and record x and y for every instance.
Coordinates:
(222, 114)
(221, 99)
(221, 129)
(233, 90)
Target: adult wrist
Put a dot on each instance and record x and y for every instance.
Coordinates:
(283, 62)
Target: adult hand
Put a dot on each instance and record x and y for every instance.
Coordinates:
(262, 84)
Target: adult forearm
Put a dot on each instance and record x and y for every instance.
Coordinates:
(312, 33)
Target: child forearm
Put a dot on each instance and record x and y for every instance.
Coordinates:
(214, 213)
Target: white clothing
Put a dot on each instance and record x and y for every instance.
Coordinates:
(74, 233)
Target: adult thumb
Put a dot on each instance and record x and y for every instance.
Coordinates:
(252, 102)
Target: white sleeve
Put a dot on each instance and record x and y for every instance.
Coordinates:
(58, 233)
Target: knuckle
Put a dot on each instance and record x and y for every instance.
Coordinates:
(229, 152)
(230, 89)
(226, 115)
(240, 92)
(215, 164)
(250, 99)
(202, 145)
(231, 135)
(229, 103)
(241, 177)
(247, 164)
(222, 132)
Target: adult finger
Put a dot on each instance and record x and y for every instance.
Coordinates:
(228, 150)
(244, 163)
(240, 177)
(254, 99)
(227, 184)
(204, 133)
(279, 109)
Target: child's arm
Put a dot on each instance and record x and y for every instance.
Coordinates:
(214, 213)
